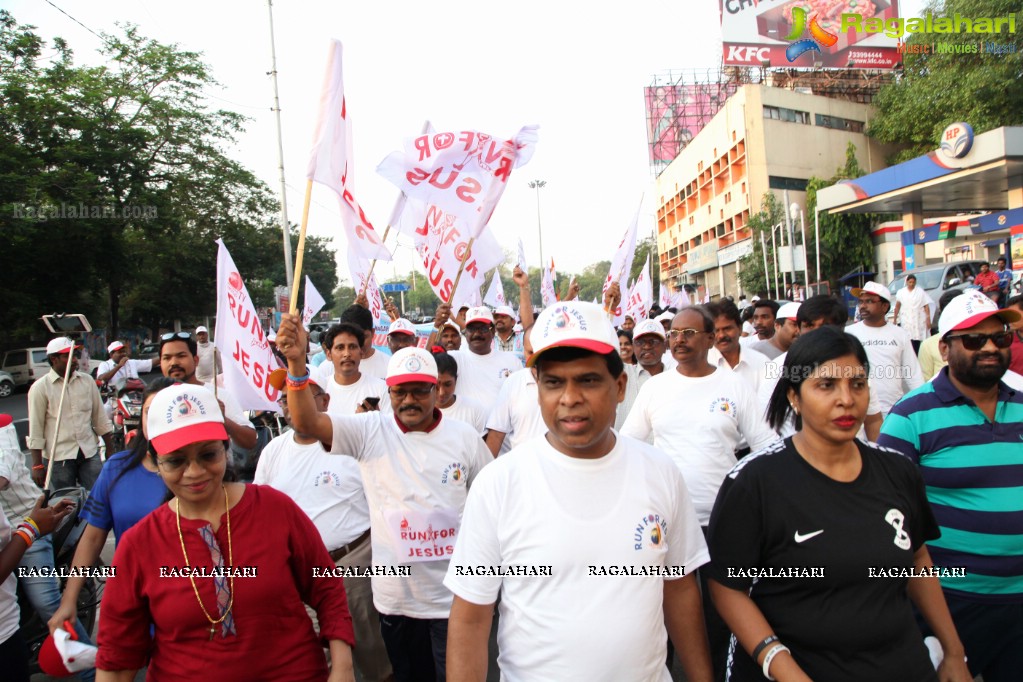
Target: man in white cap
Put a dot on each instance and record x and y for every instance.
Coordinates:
(650, 344)
(83, 421)
(417, 467)
(786, 330)
(515, 417)
(450, 335)
(546, 527)
(119, 367)
(964, 428)
(481, 369)
(206, 370)
(506, 338)
(401, 334)
(329, 490)
(894, 367)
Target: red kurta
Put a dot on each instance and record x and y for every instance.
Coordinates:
(275, 638)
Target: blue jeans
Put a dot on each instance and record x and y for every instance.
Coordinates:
(44, 592)
(417, 647)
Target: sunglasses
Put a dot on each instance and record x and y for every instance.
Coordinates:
(1002, 340)
(177, 462)
(176, 335)
(417, 393)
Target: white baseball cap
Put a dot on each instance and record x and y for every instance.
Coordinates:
(573, 324)
(969, 309)
(788, 311)
(411, 364)
(873, 288)
(666, 316)
(647, 327)
(61, 344)
(505, 310)
(451, 323)
(116, 345)
(183, 414)
(480, 313)
(401, 326)
(201, 330)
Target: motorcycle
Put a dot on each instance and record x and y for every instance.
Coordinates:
(127, 412)
(268, 426)
(33, 627)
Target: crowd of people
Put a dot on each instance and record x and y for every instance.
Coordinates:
(763, 492)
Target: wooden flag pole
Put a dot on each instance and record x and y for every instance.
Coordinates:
(293, 304)
(373, 263)
(461, 267)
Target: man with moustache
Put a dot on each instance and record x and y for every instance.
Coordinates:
(450, 335)
(649, 343)
(746, 362)
(965, 430)
(417, 467)
(786, 330)
(505, 337)
(764, 311)
(179, 359)
(348, 387)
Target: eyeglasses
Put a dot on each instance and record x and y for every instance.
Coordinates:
(648, 341)
(688, 334)
(177, 462)
(417, 393)
(176, 335)
(1002, 340)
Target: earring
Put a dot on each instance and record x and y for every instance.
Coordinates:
(794, 408)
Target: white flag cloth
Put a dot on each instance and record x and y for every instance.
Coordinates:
(680, 299)
(522, 257)
(313, 302)
(330, 162)
(665, 300)
(359, 271)
(621, 263)
(441, 240)
(464, 172)
(547, 293)
(641, 297)
(243, 347)
(495, 294)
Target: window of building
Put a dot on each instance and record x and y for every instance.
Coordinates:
(839, 123)
(793, 184)
(785, 114)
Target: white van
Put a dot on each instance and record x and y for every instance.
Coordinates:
(26, 365)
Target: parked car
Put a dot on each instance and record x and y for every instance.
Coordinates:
(149, 351)
(6, 384)
(25, 365)
(936, 279)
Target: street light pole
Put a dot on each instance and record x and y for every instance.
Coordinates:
(538, 185)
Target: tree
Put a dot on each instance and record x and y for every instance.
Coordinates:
(752, 275)
(934, 90)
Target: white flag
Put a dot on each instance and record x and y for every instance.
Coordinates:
(464, 173)
(665, 300)
(680, 299)
(244, 350)
(642, 295)
(547, 293)
(313, 302)
(522, 257)
(621, 262)
(330, 162)
(495, 294)
(359, 271)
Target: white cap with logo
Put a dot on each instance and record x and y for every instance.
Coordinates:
(183, 414)
(480, 313)
(647, 327)
(401, 326)
(573, 324)
(411, 364)
(787, 311)
(972, 308)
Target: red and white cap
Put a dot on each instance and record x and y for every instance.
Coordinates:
(480, 313)
(573, 324)
(116, 345)
(647, 327)
(61, 344)
(411, 364)
(451, 323)
(183, 414)
(969, 309)
(873, 288)
(401, 326)
(505, 310)
(788, 311)
(61, 655)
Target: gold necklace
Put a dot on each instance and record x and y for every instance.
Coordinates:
(230, 562)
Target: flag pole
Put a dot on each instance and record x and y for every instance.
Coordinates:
(461, 267)
(293, 304)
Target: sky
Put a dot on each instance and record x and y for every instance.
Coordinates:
(575, 69)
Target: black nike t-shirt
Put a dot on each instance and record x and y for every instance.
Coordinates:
(823, 540)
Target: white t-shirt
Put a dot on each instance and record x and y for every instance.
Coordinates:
(636, 376)
(416, 483)
(536, 507)
(327, 487)
(9, 612)
(130, 370)
(205, 370)
(469, 411)
(345, 399)
(750, 366)
(894, 367)
(480, 376)
(517, 411)
(324, 372)
(699, 422)
(375, 366)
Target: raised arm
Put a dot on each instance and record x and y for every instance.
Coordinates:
(525, 301)
(292, 341)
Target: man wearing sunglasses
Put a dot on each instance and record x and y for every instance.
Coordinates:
(965, 430)
(82, 419)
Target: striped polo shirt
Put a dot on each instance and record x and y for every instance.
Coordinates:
(973, 470)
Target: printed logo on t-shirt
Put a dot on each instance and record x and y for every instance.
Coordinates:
(650, 533)
(896, 519)
(327, 478)
(726, 405)
(454, 473)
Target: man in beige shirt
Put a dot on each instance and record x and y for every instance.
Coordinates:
(82, 421)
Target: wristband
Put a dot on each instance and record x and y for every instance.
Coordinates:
(30, 521)
(37, 467)
(304, 377)
(31, 531)
(297, 385)
(775, 650)
(763, 645)
(24, 536)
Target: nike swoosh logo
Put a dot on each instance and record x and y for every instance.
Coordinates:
(804, 538)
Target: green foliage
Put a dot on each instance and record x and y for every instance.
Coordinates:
(934, 90)
(751, 276)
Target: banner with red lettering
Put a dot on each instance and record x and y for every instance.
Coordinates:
(665, 299)
(244, 350)
(547, 293)
(330, 162)
(621, 263)
(313, 302)
(441, 240)
(641, 297)
(464, 173)
(359, 270)
(495, 294)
